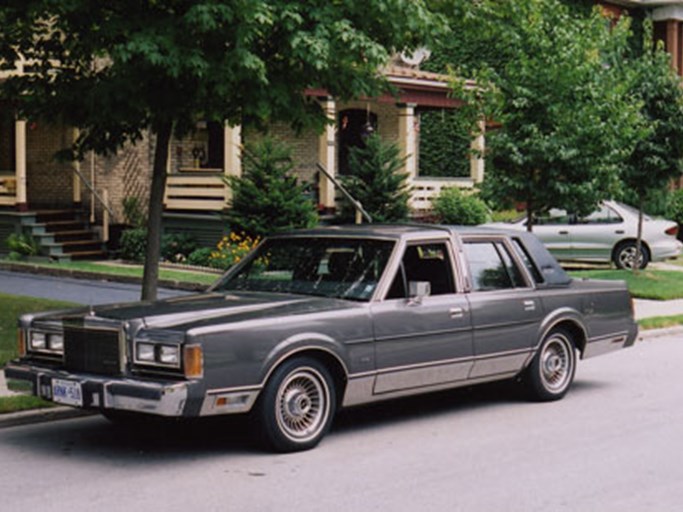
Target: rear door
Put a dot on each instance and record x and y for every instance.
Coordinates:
(505, 307)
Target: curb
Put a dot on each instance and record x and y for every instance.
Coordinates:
(650, 334)
(28, 268)
(21, 418)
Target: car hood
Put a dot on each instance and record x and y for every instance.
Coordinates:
(184, 313)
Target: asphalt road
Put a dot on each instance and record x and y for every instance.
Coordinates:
(73, 290)
(615, 443)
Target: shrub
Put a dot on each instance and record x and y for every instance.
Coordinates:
(231, 249)
(176, 247)
(452, 206)
(267, 198)
(134, 244)
(377, 181)
(21, 245)
(200, 257)
(133, 212)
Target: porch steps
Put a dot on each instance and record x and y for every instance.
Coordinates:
(64, 236)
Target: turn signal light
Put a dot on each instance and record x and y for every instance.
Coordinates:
(193, 359)
(21, 342)
(672, 231)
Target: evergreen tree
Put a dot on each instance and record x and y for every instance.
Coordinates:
(377, 181)
(267, 198)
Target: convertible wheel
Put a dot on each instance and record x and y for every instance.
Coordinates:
(625, 256)
(552, 371)
(297, 405)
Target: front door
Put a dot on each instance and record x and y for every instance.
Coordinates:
(427, 341)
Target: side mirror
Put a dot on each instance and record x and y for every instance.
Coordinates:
(418, 290)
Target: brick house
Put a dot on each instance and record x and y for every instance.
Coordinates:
(59, 202)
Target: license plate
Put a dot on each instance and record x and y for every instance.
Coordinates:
(67, 392)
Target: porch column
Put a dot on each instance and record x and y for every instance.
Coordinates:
(76, 179)
(232, 160)
(20, 170)
(477, 154)
(407, 138)
(672, 43)
(327, 149)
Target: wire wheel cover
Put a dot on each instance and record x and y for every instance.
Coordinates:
(556, 363)
(302, 404)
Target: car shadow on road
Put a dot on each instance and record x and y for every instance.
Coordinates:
(156, 442)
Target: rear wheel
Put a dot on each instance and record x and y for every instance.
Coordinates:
(296, 408)
(625, 256)
(551, 373)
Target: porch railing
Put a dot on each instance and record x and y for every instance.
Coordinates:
(425, 190)
(202, 190)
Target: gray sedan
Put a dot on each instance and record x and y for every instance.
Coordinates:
(317, 320)
(606, 235)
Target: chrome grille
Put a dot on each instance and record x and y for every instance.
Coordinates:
(92, 350)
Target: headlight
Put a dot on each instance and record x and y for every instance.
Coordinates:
(55, 342)
(145, 352)
(38, 341)
(169, 354)
(157, 354)
(50, 342)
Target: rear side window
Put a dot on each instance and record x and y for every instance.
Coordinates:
(528, 262)
(492, 267)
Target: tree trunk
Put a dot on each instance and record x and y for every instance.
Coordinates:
(529, 214)
(639, 237)
(150, 276)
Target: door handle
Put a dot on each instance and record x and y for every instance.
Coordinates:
(529, 305)
(619, 231)
(563, 232)
(456, 312)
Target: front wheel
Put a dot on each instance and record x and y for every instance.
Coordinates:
(551, 373)
(296, 408)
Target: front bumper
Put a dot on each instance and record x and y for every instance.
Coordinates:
(162, 398)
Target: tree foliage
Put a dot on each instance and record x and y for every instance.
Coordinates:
(658, 155)
(115, 69)
(377, 181)
(267, 198)
(554, 81)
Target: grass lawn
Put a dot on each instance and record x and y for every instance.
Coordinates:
(11, 306)
(18, 403)
(647, 284)
(660, 322)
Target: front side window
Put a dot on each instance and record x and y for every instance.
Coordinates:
(603, 215)
(318, 266)
(492, 267)
(428, 262)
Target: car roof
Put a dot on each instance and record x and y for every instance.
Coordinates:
(392, 231)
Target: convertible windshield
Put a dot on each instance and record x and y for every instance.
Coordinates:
(345, 268)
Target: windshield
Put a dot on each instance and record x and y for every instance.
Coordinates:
(344, 268)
